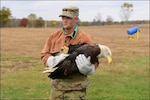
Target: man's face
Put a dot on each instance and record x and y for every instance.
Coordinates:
(68, 23)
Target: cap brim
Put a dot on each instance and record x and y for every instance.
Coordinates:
(65, 16)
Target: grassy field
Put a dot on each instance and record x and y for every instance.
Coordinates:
(126, 78)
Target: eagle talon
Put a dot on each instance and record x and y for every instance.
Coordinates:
(49, 70)
(64, 49)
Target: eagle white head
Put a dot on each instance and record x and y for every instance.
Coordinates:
(105, 53)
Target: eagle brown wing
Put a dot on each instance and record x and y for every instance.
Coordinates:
(68, 65)
(65, 67)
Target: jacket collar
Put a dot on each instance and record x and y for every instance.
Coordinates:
(73, 34)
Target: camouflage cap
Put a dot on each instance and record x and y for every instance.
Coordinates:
(70, 11)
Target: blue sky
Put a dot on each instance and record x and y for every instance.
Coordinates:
(50, 10)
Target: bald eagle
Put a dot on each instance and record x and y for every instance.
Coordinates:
(68, 65)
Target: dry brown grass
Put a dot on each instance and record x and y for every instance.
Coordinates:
(29, 41)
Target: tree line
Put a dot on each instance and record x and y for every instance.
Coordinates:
(6, 20)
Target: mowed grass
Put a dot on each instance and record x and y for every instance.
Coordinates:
(129, 81)
(126, 78)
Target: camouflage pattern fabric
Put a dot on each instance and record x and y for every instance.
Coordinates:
(73, 82)
(68, 94)
(72, 87)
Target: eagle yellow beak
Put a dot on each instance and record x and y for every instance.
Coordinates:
(109, 59)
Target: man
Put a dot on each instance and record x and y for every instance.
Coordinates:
(72, 87)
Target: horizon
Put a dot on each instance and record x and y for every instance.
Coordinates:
(88, 10)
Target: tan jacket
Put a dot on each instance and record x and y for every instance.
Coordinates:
(58, 39)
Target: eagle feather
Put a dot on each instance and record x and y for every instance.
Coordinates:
(68, 65)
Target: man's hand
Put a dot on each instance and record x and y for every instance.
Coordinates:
(54, 60)
(84, 65)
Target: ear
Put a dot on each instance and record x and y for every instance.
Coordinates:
(76, 19)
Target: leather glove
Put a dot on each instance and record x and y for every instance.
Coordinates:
(54, 60)
(84, 65)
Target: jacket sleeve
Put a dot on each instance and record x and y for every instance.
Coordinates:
(45, 52)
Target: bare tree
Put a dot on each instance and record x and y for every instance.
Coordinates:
(109, 20)
(97, 20)
(32, 20)
(98, 17)
(126, 10)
